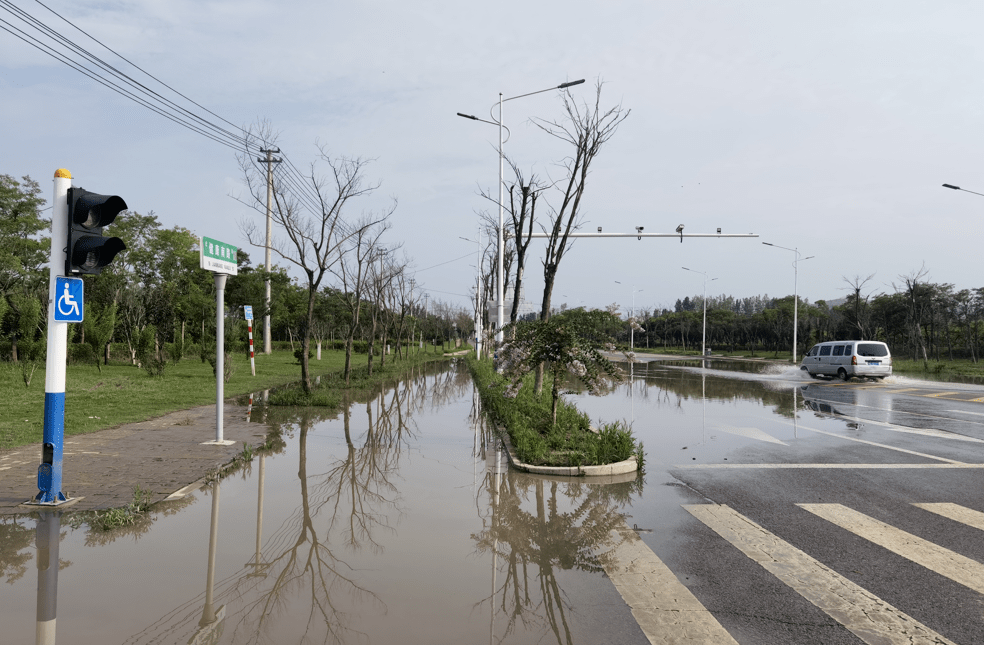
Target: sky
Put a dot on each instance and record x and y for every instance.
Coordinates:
(824, 127)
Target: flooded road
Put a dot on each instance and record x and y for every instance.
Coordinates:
(397, 520)
(394, 521)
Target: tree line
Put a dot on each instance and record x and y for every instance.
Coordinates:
(918, 318)
(154, 305)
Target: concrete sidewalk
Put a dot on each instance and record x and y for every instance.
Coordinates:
(160, 456)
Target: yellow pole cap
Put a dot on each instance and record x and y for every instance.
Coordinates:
(63, 174)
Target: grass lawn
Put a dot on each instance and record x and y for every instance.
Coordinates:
(118, 393)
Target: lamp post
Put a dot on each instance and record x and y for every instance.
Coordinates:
(631, 314)
(478, 293)
(500, 306)
(795, 294)
(703, 337)
(951, 186)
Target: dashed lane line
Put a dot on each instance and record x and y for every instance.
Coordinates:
(865, 615)
(956, 513)
(954, 566)
(667, 612)
(831, 466)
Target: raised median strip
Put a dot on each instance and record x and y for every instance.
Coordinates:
(630, 465)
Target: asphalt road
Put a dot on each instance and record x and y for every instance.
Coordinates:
(860, 521)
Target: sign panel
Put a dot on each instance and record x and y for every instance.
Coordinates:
(218, 257)
(68, 299)
(248, 312)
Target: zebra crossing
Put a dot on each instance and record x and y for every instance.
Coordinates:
(668, 612)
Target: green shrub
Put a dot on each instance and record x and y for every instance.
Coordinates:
(537, 440)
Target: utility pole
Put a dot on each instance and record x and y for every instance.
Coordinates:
(269, 160)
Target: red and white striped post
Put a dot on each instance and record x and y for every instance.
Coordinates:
(248, 311)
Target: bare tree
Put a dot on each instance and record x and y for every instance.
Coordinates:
(314, 233)
(523, 196)
(587, 128)
(353, 272)
(916, 296)
(381, 276)
(862, 315)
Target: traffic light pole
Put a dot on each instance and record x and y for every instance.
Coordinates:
(50, 471)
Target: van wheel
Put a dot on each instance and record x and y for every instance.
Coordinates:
(842, 374)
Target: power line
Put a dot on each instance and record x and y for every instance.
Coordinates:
(100, 71)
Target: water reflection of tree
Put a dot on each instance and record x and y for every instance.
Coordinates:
(346, 506)
(307, 569)
(533, 545)
(16, 547)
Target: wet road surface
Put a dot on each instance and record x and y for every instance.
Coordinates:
(775, 509)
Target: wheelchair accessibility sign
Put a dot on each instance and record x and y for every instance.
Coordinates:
(68, 299)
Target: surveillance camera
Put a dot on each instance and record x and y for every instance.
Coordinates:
(640, 228)
(599, 229)
(719, 230)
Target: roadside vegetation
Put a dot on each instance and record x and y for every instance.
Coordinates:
(120, 393)
(544, 428)
(538, 440)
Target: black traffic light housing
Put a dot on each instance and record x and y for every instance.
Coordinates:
(88, 250)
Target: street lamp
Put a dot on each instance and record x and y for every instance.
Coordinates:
(795, 294)
(500, 302)
(963, 189)
(631, 314)
(703, 338)
(479, 309)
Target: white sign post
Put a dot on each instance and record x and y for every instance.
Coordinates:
(220, 258)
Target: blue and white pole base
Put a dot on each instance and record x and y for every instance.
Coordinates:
(50, 471)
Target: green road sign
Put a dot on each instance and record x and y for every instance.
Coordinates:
(218, 257)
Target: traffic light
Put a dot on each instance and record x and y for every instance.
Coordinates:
(88, 250)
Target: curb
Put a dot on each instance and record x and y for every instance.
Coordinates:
(630, 465)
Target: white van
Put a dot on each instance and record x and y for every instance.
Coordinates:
(847, 358)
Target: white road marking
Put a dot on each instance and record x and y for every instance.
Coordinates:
(834, 466)
(957, 513)
(871, 443)
(664, 608)
(868, 617)
(750, 433)
(954, 566)
(926, 432)
(979, 414)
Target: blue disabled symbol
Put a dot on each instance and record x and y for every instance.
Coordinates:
(68, 300)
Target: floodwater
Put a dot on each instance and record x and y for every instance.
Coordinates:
(394, 521)
(397, 520)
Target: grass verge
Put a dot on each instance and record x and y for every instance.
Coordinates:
(537, 441)
(118, 393)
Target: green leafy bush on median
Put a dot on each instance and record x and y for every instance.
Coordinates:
(536, 439)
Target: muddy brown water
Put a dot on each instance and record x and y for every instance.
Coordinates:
(396, 520)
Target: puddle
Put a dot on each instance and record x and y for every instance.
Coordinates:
(394, 520)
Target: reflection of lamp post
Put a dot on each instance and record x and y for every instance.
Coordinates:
(500, 316)
(631, 315)
(795, 293)
(703, 337)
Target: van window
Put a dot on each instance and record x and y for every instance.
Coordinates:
(847, 350)
(839, 350)
(825, 350)
(872, 349)
(813, 351)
